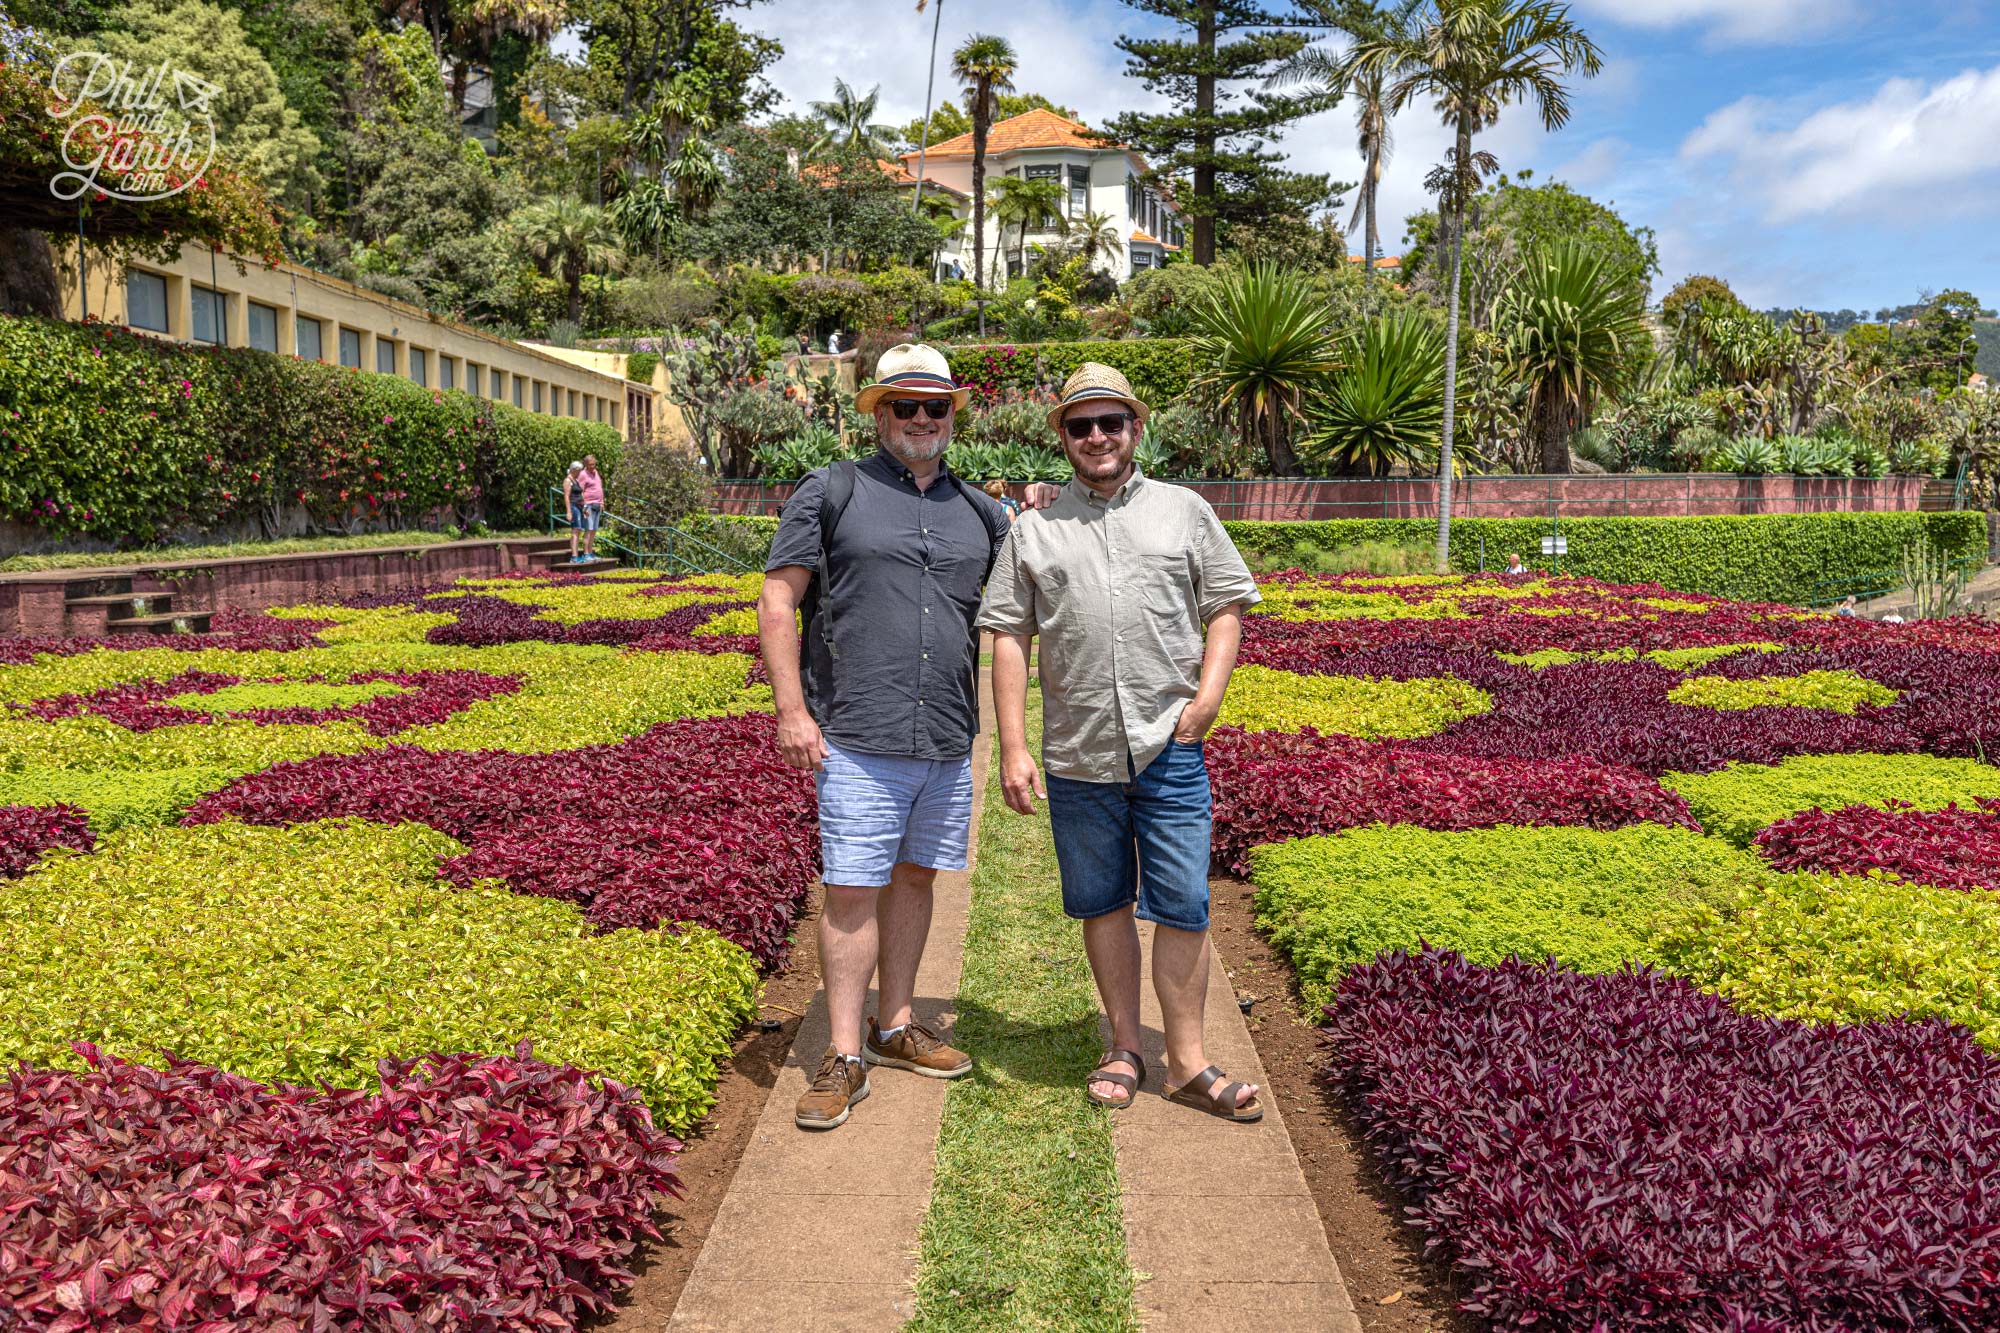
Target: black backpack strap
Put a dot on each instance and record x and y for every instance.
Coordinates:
(969, 494)
(833, 503)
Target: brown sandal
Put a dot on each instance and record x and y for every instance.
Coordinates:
(1195, 1093)
(1128, 1082)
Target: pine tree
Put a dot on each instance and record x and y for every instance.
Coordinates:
(1217, 136)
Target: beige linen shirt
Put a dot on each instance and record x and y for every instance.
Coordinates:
(1119, 591)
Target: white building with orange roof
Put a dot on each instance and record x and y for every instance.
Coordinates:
(1098, 176)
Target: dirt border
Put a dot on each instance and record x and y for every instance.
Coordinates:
(708, 1163)
(1394, 1288)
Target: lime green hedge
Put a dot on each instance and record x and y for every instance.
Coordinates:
(1263, 699)
(307, 953)
(1589, 897)
(1740, 800)
(1759, 558)
(1835, 691)
(1159, 369)
(1847, 950)
(130, 439)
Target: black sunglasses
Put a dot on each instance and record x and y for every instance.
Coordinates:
(1111, 423)
(937, 409)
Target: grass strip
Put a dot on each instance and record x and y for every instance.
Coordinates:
(165, 556)
(1025, 1229)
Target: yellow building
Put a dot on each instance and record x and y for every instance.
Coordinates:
(204, 297)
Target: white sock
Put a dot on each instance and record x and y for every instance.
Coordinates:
(889, 1034)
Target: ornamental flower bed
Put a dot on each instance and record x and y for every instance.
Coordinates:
(1952, 848)
(695, 822)
(187, 1197)
(26, 831)
(1623, 1151)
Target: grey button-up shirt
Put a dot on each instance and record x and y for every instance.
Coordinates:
(890, 662)
(1119, 591)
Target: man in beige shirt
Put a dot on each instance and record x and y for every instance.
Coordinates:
(1119, 577)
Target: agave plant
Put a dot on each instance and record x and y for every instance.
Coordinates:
(788, 460)
(1798, 455)
(1386, 403)
(1752, 455)
(1262, 347)
(1572, 319)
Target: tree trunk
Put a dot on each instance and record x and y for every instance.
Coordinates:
(1553, 423)
(979, 128)
(1278, 447)
(576, 299)
(1204, 139)
(28, 284)
(1369, 241)
(1457, 212)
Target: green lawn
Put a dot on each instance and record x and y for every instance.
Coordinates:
(1025, 1228)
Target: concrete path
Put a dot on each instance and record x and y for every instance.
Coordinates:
(819, 1230)
(1183, 1172)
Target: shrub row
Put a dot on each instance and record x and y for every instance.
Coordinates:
(1159, 369)
(1738, 800)
(1952, 848)
(1846, 950)
(1273, 786)
(192, 1198)
(697, 821)
(1757, 557)
(307, 954)
(1625, 1152)
(130, 439)
(1589, 897)
(26, 831)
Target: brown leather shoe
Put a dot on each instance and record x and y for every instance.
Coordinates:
(917, 1049)
(838, 1085)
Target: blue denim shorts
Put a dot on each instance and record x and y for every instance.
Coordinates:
(584, 518)
(879, 810)
(1143, 841)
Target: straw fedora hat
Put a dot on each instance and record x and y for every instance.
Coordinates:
(911, 370)
(1089, 382)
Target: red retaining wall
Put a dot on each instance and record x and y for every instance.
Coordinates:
(1661, 495)
(33, 603)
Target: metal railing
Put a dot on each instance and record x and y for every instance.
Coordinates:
(1612, 495)
(652, 546)
(1832, 590)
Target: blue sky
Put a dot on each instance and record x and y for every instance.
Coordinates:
(1824, 153)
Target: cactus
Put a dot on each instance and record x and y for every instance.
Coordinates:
(1936, 582)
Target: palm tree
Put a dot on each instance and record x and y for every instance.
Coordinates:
(1470, 58)
(1095, 234)
(851, 118)
(1262, 345)
(568, 238)
(985, 66)
(930, 86)
(1336, 79)
(1028, 205)
(1571, 319)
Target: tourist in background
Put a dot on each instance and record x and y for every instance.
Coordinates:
(572, 489)
(592, 486)
(998, 490)
(1514, 565)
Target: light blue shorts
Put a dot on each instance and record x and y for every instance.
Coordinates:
(878, 810)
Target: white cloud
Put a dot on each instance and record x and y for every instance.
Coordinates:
(1597, 165)
(1911, 149)
(1066, 50)
(1731, 20)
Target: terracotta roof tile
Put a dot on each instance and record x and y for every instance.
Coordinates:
(1040, 128)
(1381, 261)
(1143, 239)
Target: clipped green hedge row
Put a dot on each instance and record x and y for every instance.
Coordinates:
(130, 439)
(1160, 369)
(1590, 897)
(1759, 557)
(1741, 800)
(1751, 557)
(307, 953)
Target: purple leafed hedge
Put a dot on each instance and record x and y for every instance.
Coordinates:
(465, 1192)
(26, 831)
(1623, 1152)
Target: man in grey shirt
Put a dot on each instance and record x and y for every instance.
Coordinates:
(1120, 577)
(883, 706)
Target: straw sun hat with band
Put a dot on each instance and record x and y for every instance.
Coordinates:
(911, 370)
(1090, 383)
